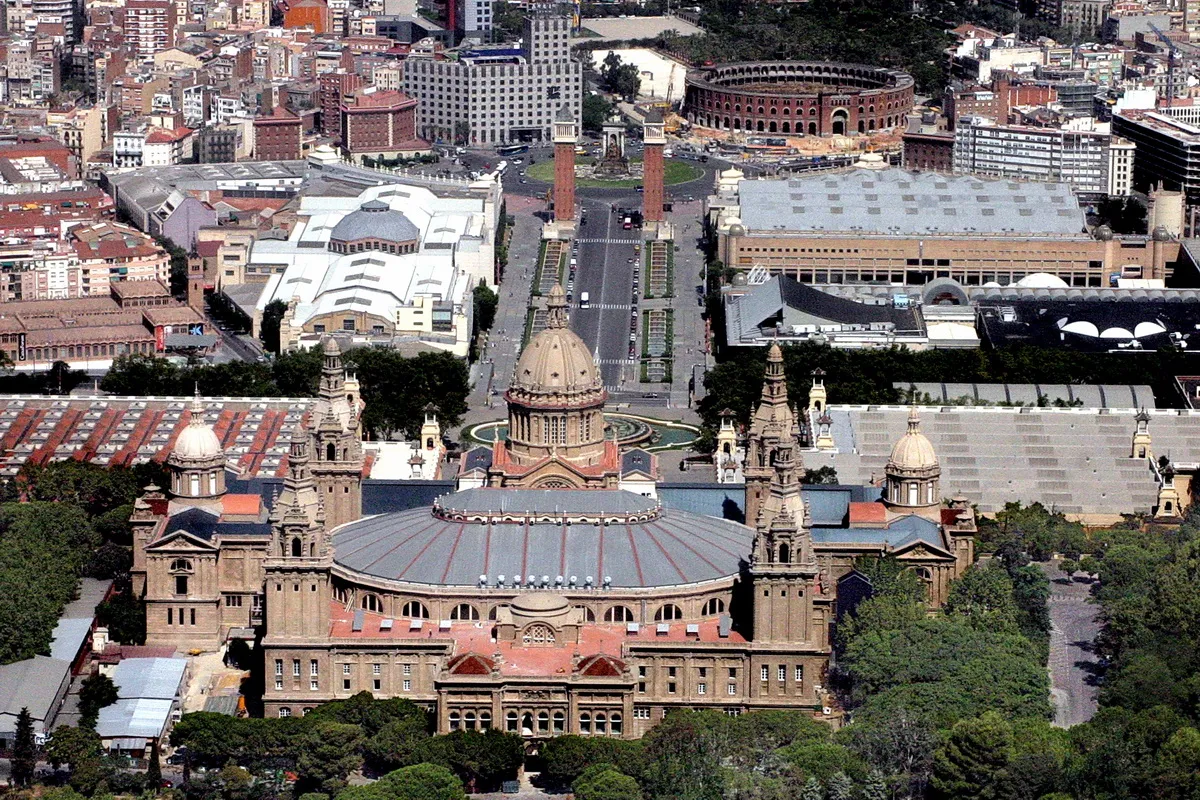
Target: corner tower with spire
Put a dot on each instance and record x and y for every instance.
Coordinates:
(337, 457)
(774, 424)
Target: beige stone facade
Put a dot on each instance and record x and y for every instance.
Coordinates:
(652, 608)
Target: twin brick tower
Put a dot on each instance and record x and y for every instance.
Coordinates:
(566, 136)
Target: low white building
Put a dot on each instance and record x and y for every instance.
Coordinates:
(396, 266)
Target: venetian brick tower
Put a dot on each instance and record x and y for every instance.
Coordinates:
(655, 138)
(566, 133)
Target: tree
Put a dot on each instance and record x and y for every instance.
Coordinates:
(96, 692)
(125, 618)
(154, 769)
(839, 786)
(24, 753)
(81, 750)
(328, 752)
(684, 754)
(422, 782)
(973, 761)
(272, 318)
(595, 112)
(825, 475)
(481, 759)
(1069, 567)
(567, 757)
(812, 790)
(875, 787)
(983, 597)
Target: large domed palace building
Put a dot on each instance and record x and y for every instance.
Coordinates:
(544, 599)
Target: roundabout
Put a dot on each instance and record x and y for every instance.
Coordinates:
(632, 430)
(674, 173)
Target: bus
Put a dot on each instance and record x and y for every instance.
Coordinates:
(584, 300)
(512, 149)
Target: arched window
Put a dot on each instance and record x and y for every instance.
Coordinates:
(667, 613)
(614, 723)
(585, 723)
(182, 565)
(527, 724)
(588, 614)
(510, 722)
(285, 712)
(464, 611)
(618, 614)
(485, 720)
(538, 634)
(713, 606)
(785, 554)
(297, 547)
(330, 452)
(559, 721)
(912, 494)
(195, 484)
(371, 602)
(414, 610)
(543, 721)
(455, 721)
(492, 613)
(601, 725)
(469, 720)
(212, 483)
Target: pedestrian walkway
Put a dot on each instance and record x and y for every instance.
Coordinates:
(609, 241)
(1073, 661)
(610, 361)
(611, 306)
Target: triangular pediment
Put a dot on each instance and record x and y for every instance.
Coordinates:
(922, 551)
(180, 541)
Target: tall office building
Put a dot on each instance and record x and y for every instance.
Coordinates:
(498, 94)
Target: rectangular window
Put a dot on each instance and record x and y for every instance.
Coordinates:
(295, 668)
(312, 685)
(312, 668)
(170, 616)
(641, 713)
(376, 669)
(346, 684)
(671, 672)
(345, 669)
(732, 673)
(407, 669)
(279, 684)
(799, 674)
(764, 673)
(377, 684)
(702, 688)
(641, 687)
(279, 666)
(191, 616)
(782, 672)
(671, 688)
(732, 688)
(408, 686)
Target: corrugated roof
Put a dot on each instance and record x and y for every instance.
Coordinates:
(152, 678)
(142, 718)
(34, 684)
(894, 201)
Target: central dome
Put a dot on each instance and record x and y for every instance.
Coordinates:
(556, 361)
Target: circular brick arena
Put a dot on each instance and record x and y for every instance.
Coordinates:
(798, 97)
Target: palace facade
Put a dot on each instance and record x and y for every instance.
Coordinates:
(542, 600)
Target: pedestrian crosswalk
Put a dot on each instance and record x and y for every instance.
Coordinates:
(621, 361)
(610, 306)
(609, 241)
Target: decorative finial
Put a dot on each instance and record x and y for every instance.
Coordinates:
(556, 307)
(914, 419)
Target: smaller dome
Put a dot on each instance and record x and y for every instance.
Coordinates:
(198, 441)
(913, 452)
(1042, 280)
(1160, 234)
(539, 604)
(737, 229)
(732, 174)
(1104, 233)
(740, 279)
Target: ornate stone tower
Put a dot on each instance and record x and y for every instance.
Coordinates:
(566, 133)
(783, 567)
(197, 462)
(655, 139)
(298, 562)
(555, 412)
(337, 462)
(913, 470)
(773, 425)
(1141, 447)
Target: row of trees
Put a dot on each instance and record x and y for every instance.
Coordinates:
(58, 521)
(395, 388)
(868, 376)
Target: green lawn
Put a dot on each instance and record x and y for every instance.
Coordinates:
(674, 172)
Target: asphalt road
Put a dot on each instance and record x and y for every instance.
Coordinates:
(606, 274)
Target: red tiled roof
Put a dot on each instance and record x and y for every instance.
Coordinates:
(516, 658)
(868, 513)
(208, 248)
(241, 504)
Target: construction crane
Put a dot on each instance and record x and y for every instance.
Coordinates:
(1172, 51)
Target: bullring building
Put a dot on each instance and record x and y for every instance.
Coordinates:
(545, 601)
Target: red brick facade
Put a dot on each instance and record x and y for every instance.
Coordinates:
(652, 183)
(334, 85)
(278, 137)
(380, 122)
(564, 181)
